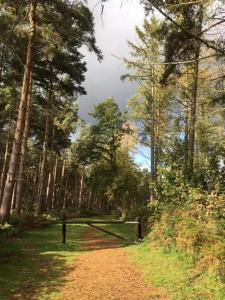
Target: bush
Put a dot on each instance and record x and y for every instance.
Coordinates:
(30, 221)
(139, 211)
(201, 240)
(207, 205)
(8, 230)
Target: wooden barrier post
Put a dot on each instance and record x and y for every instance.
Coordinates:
(64, 229)
(138, 229)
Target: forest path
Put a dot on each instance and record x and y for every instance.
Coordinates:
(104, 271)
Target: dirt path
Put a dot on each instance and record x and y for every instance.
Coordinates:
(104, 272)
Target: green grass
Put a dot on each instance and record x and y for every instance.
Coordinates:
(126, 231)
(34, 265)
(171, 271)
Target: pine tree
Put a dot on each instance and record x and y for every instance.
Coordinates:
(11, 176)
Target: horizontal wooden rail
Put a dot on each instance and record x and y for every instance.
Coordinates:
(94, 222)
(131, 222)
(97, 222)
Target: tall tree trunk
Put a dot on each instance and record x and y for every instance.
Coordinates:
(76, 189)
(13, 203)
(186, 140)
(3, 173)
(90, 203)
(61, 194)
(157, 143)
(2, 61)
(27, 190)
(152, 189)
(65, 194)
(54, 183)
(186, 128)
(12, 171)
(20, 183)
(192, 121)
(42, 196)
(81, 187)
(191, 137)
(49, 190)
(36, 180)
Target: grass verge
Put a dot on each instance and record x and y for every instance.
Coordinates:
(34, 265)
(171, 270)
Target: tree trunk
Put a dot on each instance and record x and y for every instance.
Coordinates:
(81, 188)
(20, 183)
(61, 194)
(90, 202)
(3, 173)
(152, 189)
(157, 144)
(2, 61)
(191, 137)
(12, 171)
(54, 183)
(42, 178)
(49, 190)
(65, 194)
(186, 128)
(36, 180)
(13, 203)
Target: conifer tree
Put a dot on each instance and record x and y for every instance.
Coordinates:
(11, 176)
(57, 30)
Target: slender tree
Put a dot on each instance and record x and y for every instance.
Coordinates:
(20, 180)
(11, 175)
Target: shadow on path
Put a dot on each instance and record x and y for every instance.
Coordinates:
(36, 264)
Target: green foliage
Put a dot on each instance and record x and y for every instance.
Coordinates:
(8, 230)
(108, 131)
(102, 151)
(21, 223)
(172, 189)
(202, 240)
(128, 189)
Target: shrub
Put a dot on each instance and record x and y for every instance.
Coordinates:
(139, 211)
(8, 230)
(201, 240)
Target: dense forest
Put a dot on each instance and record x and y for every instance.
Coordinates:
(52, 162)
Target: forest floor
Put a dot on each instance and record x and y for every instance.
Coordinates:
(90, 266)
(104, 271)
(96, 266)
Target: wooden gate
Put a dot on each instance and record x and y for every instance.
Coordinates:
(137, 227)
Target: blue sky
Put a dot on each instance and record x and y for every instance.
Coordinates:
(142, 156)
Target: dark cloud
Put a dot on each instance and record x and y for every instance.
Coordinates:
(113, 29)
